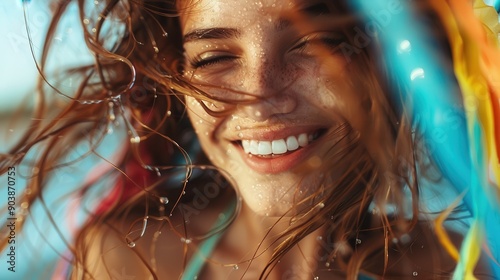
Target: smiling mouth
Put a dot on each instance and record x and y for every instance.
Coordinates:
(279, 147)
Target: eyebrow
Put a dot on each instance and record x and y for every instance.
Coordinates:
(229, 33)
(313, 10)
(212, 33)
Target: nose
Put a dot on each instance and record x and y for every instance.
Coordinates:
(268, 81)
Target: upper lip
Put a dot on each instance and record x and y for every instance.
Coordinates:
(269, 133)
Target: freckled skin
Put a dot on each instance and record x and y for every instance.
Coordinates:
(292, 87)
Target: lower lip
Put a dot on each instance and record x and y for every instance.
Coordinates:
(276, 164)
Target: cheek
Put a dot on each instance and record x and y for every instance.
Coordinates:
(202, 122)
(205, 127)
(343, 93)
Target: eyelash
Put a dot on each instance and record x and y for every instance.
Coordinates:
(201, 63)
(329, 41)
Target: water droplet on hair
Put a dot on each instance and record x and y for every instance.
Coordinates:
(169, 113)
(358, 241)
(86, 21)
(164, 200)
(405, 238)
(131, 244)
(321, 205)
(135, 140)
(327, 264)
(236, 267)
(165, 34)
(316, 278)
(94, 30)
(415, 273)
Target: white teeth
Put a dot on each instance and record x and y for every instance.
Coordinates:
(254, 147)
(246, 146)
(303, 140)
(276, 147)
(292, 143)
(265, 148)
(279, 147)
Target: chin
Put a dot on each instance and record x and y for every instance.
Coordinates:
(279, 196)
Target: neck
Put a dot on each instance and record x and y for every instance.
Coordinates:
(257, 237)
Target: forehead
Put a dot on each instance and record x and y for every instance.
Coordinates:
(209, 13)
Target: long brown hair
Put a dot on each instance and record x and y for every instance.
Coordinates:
(137, 77)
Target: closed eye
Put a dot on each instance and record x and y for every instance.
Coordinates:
(330, 41)
(198, 62)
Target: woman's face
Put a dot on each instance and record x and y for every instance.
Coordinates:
(281, 62)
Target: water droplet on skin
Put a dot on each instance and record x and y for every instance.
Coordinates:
(319, 238)
(238, 127)
(240, 135)
(200, 121)
(164, 200)
(258, 114)
(131, 244)
(415, 274)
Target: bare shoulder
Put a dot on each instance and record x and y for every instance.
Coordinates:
(103, 253)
